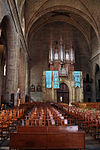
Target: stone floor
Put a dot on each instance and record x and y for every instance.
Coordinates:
(91, 144)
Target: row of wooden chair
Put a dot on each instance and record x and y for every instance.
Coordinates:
(89, 105)
(46, 115)
(88, 120)
(9, 119)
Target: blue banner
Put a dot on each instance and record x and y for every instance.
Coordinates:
(55, 79)
(48, 79)
(77, 79)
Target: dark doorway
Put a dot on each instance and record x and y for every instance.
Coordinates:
(63, 93)
(89, 99)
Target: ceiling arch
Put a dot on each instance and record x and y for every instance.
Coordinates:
(20, 4)
(60, 17)
(75, 11)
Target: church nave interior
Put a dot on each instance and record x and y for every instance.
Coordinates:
(50, 74)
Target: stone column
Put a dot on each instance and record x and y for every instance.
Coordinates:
(93, 84)
(26, 74)
(13, 42)
(81, 89)
(1, 79)
(72, 96)
(95, 59)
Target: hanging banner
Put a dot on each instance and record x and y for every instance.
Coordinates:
(77, 79)
(48, 79)
(55, 79)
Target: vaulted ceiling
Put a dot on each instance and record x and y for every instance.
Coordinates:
(82, 12)
(80, 15)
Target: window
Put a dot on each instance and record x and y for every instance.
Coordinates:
(4, 73)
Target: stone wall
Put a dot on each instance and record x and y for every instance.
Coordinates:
(36, 96)
(75, 94)
(12, 39)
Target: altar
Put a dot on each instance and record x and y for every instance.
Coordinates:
(67, 86)
(66, 95)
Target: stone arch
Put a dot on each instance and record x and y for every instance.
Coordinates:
(21, 74)
(97, 82)
(76, 25)
(20, 4)
(20, 70)
(39, 14)
(2, 65)
(6, 29)
(22, 15)
(11, 44)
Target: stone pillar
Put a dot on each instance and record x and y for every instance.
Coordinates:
(94, 80)
(93, 84)
(21, 73)
(13, 42)
(95, 59)
(72, 96)
(26, 74)
(81, 89)
(1, 79)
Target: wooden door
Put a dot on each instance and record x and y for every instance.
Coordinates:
(63, 93)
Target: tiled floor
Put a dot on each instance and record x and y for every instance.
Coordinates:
(91, 144)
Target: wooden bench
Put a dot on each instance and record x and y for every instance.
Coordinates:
(47, 129)
(31, 129)
(46, 138)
